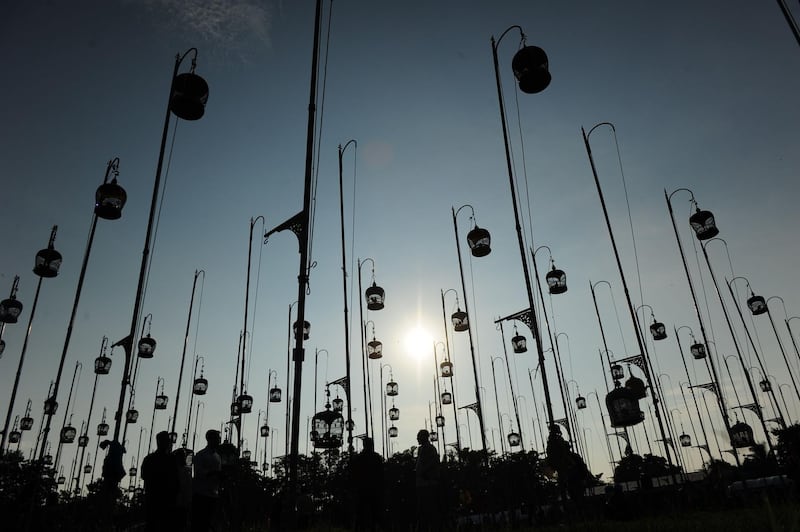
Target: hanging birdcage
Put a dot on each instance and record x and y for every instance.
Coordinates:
(161, 402)
(460, 320)
(479, 241)
(375, 296)
(447, 398)
(623, 407)
(275, 395)
(580, 402)
(446, 368)
(703, 224)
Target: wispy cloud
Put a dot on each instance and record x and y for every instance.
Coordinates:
(230, 25)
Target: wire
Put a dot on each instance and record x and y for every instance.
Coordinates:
(321, 117)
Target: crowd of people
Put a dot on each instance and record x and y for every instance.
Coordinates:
(179, 496)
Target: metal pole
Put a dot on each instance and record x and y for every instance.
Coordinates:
(453, 381)
(479, 411)
(714, 376)
(497, 404)
(349, 422)
(183, 355)
(642, 347)
(534, 325)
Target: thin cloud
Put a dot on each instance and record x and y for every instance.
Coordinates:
(231, 25)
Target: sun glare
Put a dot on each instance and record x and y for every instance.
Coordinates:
(418, 342)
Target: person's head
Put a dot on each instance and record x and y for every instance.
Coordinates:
(213, 438)
(369, 444)
(163, 441)
(423, 436)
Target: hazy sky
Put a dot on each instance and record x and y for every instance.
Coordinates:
(701, 97)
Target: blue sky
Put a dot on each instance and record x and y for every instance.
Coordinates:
(700, 96)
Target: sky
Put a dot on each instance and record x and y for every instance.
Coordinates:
(699, 96)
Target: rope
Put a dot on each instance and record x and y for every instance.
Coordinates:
(524, 168)
(255, 304)
(199, 308)
(619, 323)
(158, 220)
(315, 163)
(630, 217)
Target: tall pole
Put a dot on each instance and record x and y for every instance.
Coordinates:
(553, 342)
(714, 375)
(497, 404)
(67, 415)
(303, 229)
(780, 345)
(642, 348)
(52, 397)
(447, 352)
(771, 392)
(183, 354)
(479, 410)
(14, 288)
(531, 319)
(112, 169)
(691, 389)
(128, 341)
(511, 385)
(349, 422)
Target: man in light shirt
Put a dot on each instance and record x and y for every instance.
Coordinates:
(205, 485)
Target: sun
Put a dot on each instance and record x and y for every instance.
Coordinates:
(418, 342)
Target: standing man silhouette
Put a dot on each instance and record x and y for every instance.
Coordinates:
(205, 485)
(427, 483)
(160, 475)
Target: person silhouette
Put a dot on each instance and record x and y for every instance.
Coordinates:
(160, 476)
(367, 479)
(205, 485)
(427, 483)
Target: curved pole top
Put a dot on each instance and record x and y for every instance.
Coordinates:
(779, 298)
(270, 372)
(677, 330)
(445, 292)
(535, 251)
(669, 196)
(497, 358)
(342, 149)
(362, 261)
(368, 322)
(180, 57)
(730, 356)
(593, 392)
(592, 285)
(456, 211)
(652, 313)
(746, 280)
(391, 371)
(609, 124)
(318, 351)
(562, 334)
(792, 318)
(751, 368)
(665, 375)
(496, 42)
